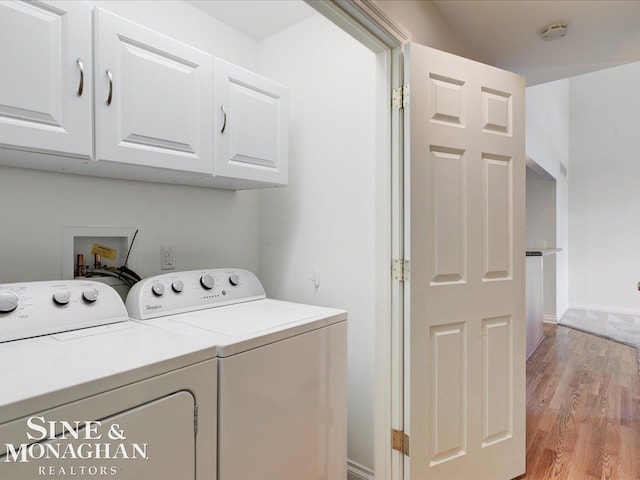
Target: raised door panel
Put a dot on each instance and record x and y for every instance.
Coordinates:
(251, 126)
(447, 215)
(448, 378)
(153, 98)
(46, 84)
(497, 192)
(497, 379)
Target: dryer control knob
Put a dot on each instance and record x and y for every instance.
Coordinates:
(207, 281)
(158, 289)
(234, 279)
(8, 302)
(177, 286)
(90, 294)
(61, 297)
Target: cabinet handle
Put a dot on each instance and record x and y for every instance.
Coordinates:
(110, 87)
(224, 122)
(81, 85)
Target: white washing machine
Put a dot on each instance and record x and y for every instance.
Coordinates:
(281, 371)
(95, 395)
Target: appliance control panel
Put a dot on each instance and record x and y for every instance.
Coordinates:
(180, 292)
(41, 308)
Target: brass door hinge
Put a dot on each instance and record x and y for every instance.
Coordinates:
(400, 269)
(400, 441)
(400, 97)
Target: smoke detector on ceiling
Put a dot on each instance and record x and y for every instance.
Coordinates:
(554, 31)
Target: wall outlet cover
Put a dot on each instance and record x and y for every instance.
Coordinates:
(167, 258)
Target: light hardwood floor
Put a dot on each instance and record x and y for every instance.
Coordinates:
(583, 408)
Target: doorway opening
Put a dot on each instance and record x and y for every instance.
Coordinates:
(541, 229)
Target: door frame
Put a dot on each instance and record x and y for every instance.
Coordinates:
(367, 23)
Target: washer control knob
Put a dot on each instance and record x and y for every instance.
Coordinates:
(177, 286)
(234, 279)
(207, 281)
(61, 297)
(158, 289)
(90, 294)
(8, 302)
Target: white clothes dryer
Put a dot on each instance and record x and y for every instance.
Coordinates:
(97, 396)
(281, 371)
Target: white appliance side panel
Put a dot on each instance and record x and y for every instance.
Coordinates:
(282, 409)
(158, 444)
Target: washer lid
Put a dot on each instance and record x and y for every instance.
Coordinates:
(255, 318)
(245, 326)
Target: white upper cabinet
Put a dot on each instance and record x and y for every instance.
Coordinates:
(45, 84)
(251, 127)
(132, 103)
(153, 98)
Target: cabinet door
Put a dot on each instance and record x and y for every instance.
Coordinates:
(153, 98)
(45, 96)
(251, 126)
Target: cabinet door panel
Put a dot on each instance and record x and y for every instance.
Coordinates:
(43, 46)
(161, 107)
(253, 145)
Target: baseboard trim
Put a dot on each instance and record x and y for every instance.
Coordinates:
(563, 314)
(550, 319)
(536, 347)
(355, 471)
(601, 308)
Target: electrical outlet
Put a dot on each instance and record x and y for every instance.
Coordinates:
(167, 258)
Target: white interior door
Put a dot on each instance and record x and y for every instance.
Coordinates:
(465, 234)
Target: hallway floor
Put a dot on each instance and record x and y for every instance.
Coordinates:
(583, 408)
(620, 327)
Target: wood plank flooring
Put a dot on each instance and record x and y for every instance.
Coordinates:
(583, 408)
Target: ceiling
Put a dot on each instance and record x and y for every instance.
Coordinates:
(257, 19)
(506, 33)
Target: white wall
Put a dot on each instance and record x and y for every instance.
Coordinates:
(185, 23)
(541, 227)
(190, 219)
(547, 127)
(325, 217)
(207, 227)
(604, 191)
(427, 26)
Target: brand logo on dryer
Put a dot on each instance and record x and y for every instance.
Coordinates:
(79, 442)
(152, 307)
